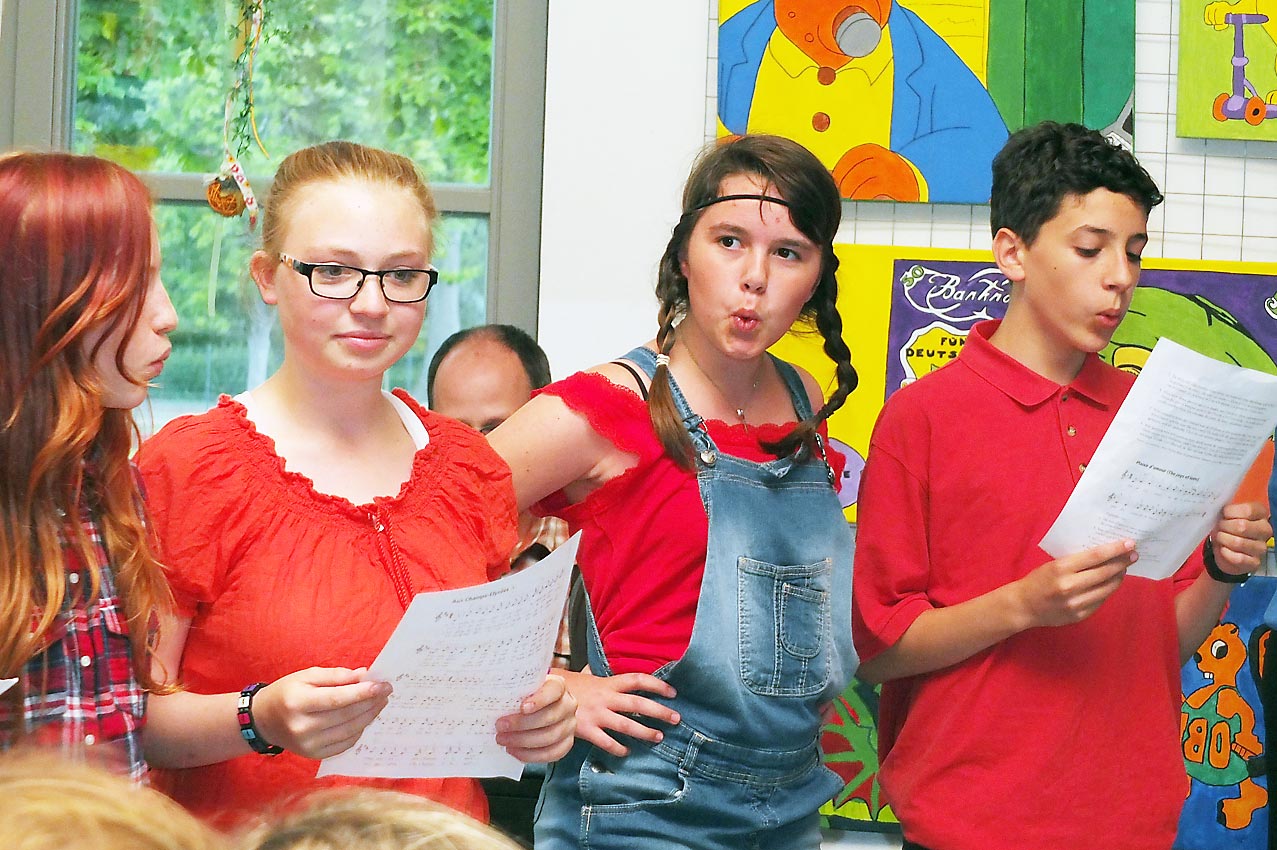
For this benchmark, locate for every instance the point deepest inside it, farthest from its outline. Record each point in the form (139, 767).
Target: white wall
(625, 115)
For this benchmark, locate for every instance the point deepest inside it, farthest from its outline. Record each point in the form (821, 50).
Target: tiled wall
(1221, 196)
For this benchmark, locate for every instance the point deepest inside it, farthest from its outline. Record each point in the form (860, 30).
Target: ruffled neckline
(736, 433)
(303, 484)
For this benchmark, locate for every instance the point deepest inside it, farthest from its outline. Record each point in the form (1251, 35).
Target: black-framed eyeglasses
(330, 280)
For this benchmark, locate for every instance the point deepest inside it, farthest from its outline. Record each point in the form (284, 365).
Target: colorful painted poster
(906, 312)
(850, 744)
(909, 100)
(935, 304)
(1222, 723)
(1227, 85)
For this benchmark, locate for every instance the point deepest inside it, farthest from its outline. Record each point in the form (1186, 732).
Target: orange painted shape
(1254, 486)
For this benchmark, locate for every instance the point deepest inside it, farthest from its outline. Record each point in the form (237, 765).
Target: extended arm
(549, 448)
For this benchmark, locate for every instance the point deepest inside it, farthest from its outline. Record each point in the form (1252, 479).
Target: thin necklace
(740, 411)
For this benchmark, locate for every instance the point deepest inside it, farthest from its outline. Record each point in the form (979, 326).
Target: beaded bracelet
(1213, 570)
(248, 729)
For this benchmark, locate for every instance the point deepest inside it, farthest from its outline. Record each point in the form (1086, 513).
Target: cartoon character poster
(1224, 315)
(1222, 729)
(1227, 85)
(909, 100)
(906, 312)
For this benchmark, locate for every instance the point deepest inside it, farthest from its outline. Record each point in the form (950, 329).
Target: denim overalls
(770, 645)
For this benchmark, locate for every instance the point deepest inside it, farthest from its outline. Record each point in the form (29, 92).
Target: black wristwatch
(1213, 570)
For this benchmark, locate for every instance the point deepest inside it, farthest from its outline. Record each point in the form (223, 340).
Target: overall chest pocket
(784, 622)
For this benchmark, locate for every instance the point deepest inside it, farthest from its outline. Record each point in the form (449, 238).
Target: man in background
(480, 376)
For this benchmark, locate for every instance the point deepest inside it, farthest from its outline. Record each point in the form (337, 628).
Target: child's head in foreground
(368, 819)
(50, 803)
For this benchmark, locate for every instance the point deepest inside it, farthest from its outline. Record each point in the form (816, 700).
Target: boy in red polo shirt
(1030, 702)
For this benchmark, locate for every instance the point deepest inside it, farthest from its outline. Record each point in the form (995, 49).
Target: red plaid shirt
(80, 693)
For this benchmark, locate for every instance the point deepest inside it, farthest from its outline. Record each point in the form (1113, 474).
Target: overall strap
(644, 358)
(802, 407)
(797, 391)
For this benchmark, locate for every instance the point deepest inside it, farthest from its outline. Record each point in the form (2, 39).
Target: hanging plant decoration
(228, 191)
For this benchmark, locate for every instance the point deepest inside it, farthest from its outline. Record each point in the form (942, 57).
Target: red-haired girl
(83, 330)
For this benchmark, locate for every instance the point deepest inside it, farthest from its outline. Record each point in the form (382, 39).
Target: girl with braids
(299, 519)
(84, 327)
(715, 556)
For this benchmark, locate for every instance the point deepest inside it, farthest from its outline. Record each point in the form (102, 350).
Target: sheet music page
(458, 660)
(1171, 460)
(5, 684)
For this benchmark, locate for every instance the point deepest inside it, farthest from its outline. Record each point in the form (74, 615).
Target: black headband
(720, 198)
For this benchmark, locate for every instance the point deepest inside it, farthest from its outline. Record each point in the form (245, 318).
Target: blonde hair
(372, 819)
(338, 160)
(48, 803)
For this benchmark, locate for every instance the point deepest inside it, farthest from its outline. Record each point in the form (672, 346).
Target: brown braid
(671, 292)
(660, 400)
(829, 322)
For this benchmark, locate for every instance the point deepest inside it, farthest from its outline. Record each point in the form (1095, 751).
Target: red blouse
(645, 532)
(278, 577)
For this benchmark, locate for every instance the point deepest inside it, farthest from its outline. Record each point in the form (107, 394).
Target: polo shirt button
(820, 122)
(74, 578)
(1064, 397)
(90, 740)
(1081, 467)
(826, 76)
(1072, 431)
(85, 660)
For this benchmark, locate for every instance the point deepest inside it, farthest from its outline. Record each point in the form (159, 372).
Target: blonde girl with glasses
(299, 519)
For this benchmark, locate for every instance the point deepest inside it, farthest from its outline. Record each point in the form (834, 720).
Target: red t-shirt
(278, 577)
(1056, 737)
(645, 532)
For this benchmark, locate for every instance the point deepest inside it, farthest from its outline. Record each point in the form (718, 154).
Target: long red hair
(76, 241)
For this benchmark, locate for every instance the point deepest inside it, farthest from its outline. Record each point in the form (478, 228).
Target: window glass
(415, 77)
(412, 76)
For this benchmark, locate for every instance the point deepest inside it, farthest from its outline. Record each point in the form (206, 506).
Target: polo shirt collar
(1028, 388)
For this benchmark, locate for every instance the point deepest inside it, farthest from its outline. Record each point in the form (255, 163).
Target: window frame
(37, 96)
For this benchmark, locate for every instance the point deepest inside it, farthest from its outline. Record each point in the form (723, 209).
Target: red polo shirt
(1056, 737)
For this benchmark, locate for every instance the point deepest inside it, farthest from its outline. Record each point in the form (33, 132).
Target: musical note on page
(1172, 458)
(459, 660)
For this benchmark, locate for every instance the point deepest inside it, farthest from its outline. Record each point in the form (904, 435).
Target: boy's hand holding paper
(1175, 454)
